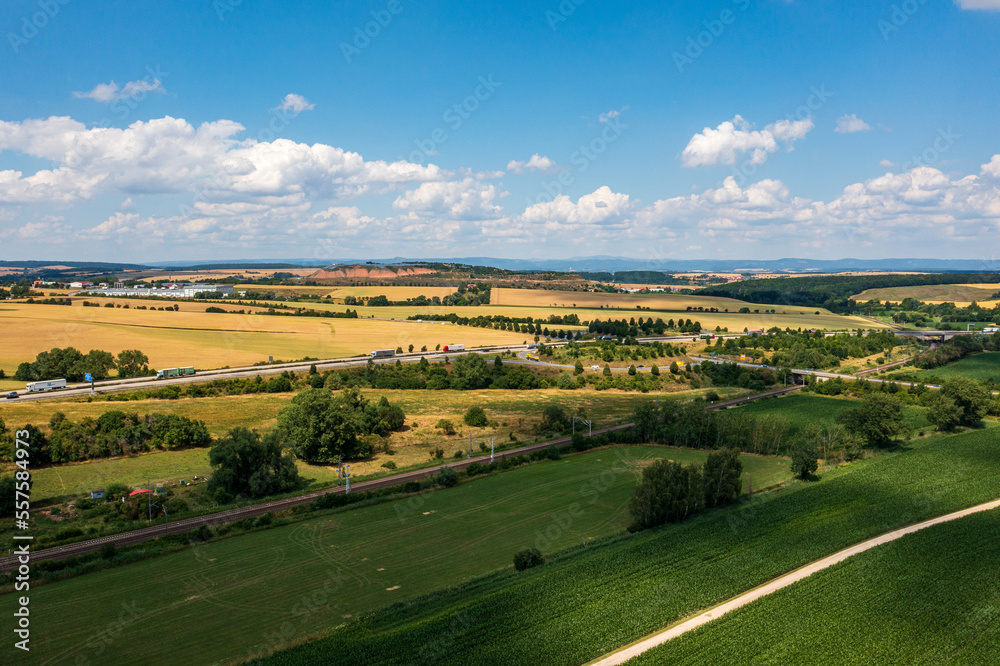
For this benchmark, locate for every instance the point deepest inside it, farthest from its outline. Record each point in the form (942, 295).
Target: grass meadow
(516, 412)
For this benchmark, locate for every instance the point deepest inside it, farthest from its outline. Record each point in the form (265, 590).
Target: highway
(232, 515)
(106, 386)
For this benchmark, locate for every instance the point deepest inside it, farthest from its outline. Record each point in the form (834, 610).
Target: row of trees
(71, 364)
(114, 433)
(957, 348)
(625, 328)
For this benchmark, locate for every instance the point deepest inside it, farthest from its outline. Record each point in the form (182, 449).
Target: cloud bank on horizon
(726, 174)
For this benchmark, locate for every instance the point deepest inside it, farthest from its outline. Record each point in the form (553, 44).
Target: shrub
(528, 558)
(446, 426)
(476, 417)
(108, 551)
(447, 477)
(389, 465)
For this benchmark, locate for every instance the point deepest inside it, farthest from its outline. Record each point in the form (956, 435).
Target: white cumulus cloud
(295, 103)
(535, 163)
(467, 199)
(601, 206)
(735, 137)
(849, 124)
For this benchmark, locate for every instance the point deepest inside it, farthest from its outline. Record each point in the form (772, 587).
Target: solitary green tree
(805, 460)
(943, 412)
(723, 477)
(971, 397)
(132, 363)
(877, 419)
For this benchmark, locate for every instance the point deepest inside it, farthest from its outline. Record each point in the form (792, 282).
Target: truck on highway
(383, 353)
(448, 348)
(174, 372)
(50, 385)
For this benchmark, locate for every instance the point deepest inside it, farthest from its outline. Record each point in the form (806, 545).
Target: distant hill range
(613, 264)
(598, 264)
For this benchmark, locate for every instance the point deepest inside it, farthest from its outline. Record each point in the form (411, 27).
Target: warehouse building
(187, 290)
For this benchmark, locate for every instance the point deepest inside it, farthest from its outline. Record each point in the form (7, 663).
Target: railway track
(232, 515)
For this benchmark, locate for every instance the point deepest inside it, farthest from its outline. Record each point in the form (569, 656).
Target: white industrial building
(188, 290)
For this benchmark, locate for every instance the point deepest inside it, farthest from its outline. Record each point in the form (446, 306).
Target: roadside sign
(87, 377)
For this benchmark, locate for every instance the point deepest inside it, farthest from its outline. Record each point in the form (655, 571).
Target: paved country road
(634, 650)
(232, 515)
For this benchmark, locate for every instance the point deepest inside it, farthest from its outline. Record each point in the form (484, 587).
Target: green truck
(174, 372)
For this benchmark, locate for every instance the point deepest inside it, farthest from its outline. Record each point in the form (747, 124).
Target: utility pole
(149, 501)
(493, 443)
(470, 444)
(340, 468)
(348, 490)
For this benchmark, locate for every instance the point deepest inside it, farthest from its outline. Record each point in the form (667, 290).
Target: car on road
(12, 395)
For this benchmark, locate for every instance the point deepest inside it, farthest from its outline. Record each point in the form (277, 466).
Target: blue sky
(734, 128)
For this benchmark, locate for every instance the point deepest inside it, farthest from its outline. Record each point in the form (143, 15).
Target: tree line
(114, 433)
(71, 364)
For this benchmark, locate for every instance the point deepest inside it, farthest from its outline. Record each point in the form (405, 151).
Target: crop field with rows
(928, 598)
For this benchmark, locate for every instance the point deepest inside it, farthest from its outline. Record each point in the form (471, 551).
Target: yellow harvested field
(207, 340)
(959, 294)
(392, 293)
(732, 320)
(660, 302)
(664, 287)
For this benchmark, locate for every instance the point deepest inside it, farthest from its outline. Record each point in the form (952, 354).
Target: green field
(592, 601)
(236, 597)
(984, 367)
(928, 598)
(802, 409)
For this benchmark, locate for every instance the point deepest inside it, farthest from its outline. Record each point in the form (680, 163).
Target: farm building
(188, 290)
